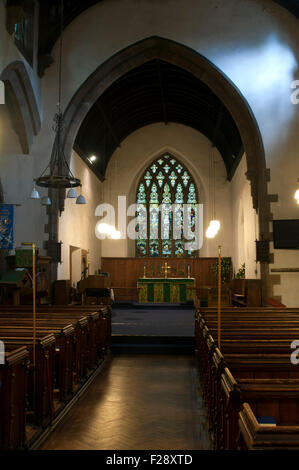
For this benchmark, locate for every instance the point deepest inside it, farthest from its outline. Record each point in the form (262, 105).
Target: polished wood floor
(137, 402)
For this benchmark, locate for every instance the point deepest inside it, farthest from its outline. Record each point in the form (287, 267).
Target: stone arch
(191, 61)
(21, 102)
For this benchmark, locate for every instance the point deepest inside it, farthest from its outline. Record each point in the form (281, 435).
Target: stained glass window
(160, 179)
(173, 177)
(148, 177)
(164, 188)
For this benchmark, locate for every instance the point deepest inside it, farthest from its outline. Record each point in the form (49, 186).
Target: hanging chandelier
(57, 174)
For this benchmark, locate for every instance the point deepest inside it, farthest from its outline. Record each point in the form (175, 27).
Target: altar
(159, 290)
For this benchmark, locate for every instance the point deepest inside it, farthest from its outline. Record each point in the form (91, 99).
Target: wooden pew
(64, 350)
(62, 342)
(13, 397)
(277, 398)
(254, 436)
(84, 348)
(260, 378)
(40, 394)
(70, 342)
(103, 326)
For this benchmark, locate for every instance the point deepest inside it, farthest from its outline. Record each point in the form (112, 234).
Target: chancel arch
(191, 62)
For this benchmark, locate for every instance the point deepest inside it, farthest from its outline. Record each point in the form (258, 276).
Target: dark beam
(218, 123)
(164, 110)
(108, 124)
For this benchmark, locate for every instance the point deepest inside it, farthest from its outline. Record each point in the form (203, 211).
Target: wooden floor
(137, 402)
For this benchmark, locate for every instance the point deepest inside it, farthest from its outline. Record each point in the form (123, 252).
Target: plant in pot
(240, 274)
(225, 270)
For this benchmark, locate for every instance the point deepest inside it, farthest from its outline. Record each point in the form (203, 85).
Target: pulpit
(161, 289)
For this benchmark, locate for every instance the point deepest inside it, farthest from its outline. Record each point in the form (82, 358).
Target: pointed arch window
(164, 188)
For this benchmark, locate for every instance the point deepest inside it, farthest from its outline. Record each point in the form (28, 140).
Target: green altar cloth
(158, 290)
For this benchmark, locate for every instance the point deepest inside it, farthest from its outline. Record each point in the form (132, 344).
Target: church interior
(149, 225)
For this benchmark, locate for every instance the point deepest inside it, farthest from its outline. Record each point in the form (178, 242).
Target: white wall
(139, 149)
(77, 223)
(76, 263)
(245, 224)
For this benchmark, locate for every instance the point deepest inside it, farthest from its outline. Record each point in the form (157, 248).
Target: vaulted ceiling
(156, 92)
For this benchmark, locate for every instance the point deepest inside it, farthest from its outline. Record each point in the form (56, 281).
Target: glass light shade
(116, 235)
(71, 194)
(34, 194)
(210, 233)
(215, 224)
(110, 230)
(296, 196)
(102, 228)
(80, 200)
(46, 201)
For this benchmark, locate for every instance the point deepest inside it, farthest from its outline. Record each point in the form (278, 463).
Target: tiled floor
(137, 402)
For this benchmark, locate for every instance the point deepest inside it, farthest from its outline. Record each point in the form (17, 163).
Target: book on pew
(266, 420)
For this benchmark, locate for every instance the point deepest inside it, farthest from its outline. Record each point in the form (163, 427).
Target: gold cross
(165, 269)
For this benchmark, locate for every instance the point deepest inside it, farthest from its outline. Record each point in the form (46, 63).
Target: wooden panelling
(124, 272)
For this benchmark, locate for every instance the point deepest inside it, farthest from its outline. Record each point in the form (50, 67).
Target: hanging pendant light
(80, 199)
(46, 201)
(72, 194)
(58, 173)
(210, 233)
(34, 193)
(215, 224)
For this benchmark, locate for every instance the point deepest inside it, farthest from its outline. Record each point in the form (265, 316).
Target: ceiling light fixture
(34, 193)
(92, 158)
(46, 201)
(80, 199)
(72, 194)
